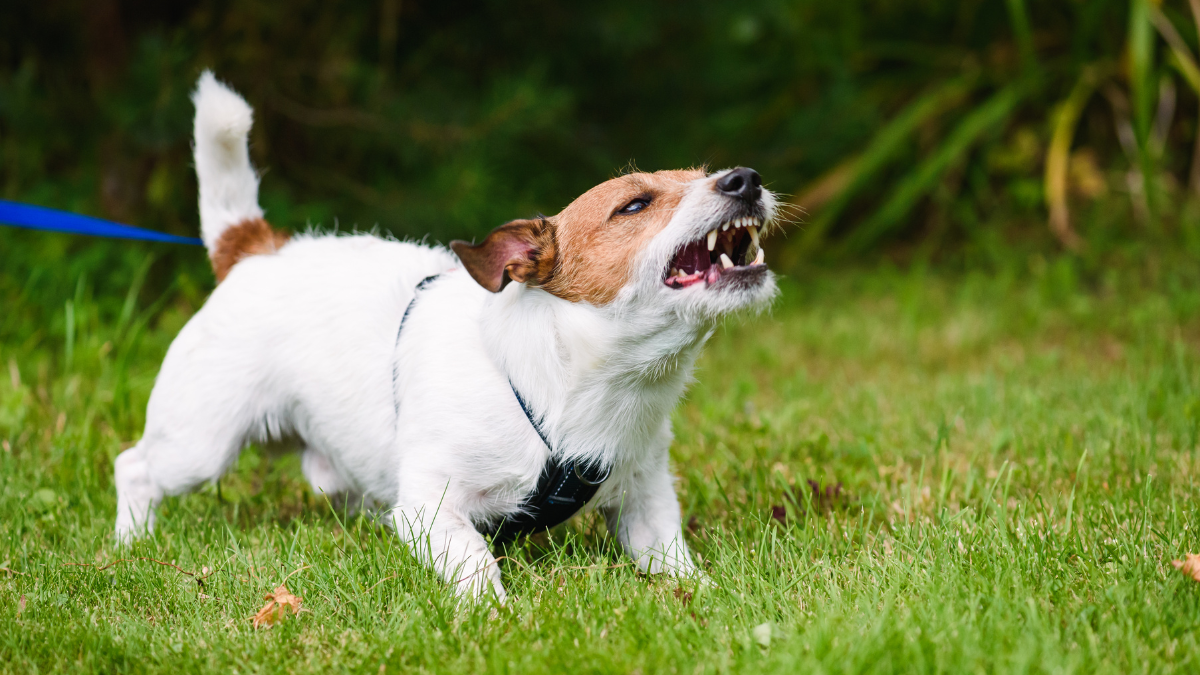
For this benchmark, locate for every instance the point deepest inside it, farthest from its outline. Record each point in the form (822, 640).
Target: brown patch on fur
(585, 253)
(249, 237)
(597, 246)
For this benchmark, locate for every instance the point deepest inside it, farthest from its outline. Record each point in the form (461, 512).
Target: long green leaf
(1194, 174)
(1182, 55)
(1141, 55)
(1142, 86)
(1019, 17)
(1065, 118)
(887, 144)
(910, 190)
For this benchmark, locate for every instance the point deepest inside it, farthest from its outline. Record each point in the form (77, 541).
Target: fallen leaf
(779, 513)
(1189, 567)
(20, 605)
(276, 607)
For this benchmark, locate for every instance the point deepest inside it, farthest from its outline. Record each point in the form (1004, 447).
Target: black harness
(563, 488)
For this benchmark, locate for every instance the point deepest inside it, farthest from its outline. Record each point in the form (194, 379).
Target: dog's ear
(520, 250)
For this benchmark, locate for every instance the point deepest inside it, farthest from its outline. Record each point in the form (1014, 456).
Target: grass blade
(135, 289)
(69, 348)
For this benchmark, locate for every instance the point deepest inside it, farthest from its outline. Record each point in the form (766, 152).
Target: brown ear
(521, 250)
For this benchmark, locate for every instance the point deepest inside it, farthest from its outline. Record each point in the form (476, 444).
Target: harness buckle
(588, 480)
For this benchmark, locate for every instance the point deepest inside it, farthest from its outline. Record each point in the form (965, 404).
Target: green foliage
(437, 119)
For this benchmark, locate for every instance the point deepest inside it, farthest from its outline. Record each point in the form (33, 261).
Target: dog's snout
(741, 183)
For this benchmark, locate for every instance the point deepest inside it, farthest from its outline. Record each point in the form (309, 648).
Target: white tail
(228, 184)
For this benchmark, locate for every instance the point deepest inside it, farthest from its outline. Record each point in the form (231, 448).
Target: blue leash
(53, 220)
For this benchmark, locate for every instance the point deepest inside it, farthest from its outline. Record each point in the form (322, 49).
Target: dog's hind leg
(137, 495)
(326, 481)
(199, 417)
(320, 473)
(166, 463)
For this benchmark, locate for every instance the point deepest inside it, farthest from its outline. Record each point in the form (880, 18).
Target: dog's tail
(231, 221)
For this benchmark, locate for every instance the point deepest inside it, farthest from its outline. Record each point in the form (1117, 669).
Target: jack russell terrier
(493, 388)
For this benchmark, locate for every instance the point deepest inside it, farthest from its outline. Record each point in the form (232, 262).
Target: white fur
(228, 184)
(304, 343)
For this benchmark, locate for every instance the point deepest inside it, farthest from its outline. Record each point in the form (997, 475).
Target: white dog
(498, 404)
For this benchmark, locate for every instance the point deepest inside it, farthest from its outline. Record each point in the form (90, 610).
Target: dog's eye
(634, 206)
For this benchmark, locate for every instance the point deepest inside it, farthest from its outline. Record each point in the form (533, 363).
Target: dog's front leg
(452, 546)
(643, 515)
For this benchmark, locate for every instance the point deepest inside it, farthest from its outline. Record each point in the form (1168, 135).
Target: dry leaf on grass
(1189, 567)
(778, 512)
(276, 607)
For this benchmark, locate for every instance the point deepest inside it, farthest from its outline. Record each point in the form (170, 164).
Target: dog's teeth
(712, 239)
(726, 263)
(758, 259)
(674, 272)
(753, 234)
(682, 274)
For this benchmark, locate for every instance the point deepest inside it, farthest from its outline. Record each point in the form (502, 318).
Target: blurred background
(970, 134)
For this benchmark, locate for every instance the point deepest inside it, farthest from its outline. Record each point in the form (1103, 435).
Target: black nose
(741, 183)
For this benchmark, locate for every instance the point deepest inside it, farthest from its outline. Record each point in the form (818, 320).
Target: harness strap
(404, 317)
(563, 488)
(420, 287)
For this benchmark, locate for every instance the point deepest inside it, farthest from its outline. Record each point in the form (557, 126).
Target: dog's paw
(481, 589)
(125, 533)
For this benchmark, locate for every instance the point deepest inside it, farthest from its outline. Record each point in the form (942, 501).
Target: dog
(447, 385)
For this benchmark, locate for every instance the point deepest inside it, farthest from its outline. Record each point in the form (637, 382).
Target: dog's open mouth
(730, 250)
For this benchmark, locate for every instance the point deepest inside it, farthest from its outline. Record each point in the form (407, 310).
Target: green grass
(1017, 456)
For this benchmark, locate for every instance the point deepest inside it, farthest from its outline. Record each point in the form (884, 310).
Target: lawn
(895, 470)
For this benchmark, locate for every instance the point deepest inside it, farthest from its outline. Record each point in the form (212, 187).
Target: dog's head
(683, 240)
